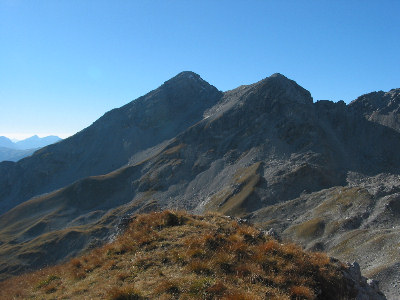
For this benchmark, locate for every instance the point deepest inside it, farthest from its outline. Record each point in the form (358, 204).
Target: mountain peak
(187, 77)
(188, 85)
(278, 75)
(279, 85)
(278, 78)
(188, 74)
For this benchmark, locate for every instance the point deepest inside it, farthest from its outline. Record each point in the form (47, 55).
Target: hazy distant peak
(37, 142)
(32, 138)
(6, 142)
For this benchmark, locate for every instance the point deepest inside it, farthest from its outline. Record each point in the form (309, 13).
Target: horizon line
(22, 136)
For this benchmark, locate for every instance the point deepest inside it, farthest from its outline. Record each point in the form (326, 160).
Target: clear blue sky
(64, 63)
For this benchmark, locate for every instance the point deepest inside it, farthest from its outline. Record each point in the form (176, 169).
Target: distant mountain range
(324, 174)
(6, 143)
(14, 151)
(29, 143)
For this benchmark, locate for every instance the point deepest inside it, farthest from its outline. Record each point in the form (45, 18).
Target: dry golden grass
(174, 255)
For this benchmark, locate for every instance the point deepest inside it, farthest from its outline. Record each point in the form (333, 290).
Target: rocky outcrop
(360, 287)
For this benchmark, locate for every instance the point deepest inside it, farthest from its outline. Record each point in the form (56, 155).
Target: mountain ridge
(36, 142)
(134, 121)
(6, 142)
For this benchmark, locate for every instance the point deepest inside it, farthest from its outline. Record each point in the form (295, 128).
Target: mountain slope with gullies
(263, 151)
(110, 141)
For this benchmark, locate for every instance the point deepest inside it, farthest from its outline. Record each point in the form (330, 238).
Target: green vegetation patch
(47, 281)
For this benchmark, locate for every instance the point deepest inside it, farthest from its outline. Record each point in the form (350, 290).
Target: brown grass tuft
(126, 293)
(302, 292)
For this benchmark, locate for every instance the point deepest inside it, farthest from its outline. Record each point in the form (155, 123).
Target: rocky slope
(263, 151)
(358, 221)
(172, 255)
(380, 107)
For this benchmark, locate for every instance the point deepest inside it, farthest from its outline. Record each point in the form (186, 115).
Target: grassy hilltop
(174, 255)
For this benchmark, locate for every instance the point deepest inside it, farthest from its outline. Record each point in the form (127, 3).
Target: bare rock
(361, 287)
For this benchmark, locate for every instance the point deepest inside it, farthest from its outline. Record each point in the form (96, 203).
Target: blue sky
(63, 64)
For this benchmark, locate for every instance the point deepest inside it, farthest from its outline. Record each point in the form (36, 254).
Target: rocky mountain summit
(323, 174)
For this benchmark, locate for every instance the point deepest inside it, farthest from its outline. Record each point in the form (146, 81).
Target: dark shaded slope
(359, 145)
(110, 141)
(9, 154)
